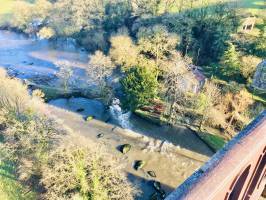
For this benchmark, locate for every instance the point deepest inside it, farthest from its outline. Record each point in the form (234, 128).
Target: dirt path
(172, 165)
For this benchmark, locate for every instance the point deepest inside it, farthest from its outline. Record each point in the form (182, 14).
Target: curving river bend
(173, 153)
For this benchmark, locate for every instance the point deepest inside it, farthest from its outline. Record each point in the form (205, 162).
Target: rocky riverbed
(159, 153)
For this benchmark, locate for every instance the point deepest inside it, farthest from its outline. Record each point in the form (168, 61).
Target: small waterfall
(118, 116)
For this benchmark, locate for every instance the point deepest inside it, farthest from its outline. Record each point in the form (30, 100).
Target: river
(173, 153)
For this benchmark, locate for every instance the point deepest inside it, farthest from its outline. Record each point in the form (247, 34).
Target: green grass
(10, 188)
(256, 7)
(153, 118)
(258, 95)
(215, 142)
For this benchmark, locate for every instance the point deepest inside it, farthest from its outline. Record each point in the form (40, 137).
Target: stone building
(259, 80)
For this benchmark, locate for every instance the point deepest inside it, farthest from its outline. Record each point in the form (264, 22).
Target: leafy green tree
(116, 14)
(230, 62)
(46, 33)
(146, 7)
(249, 64)
(140, 86)
(74, 16)
(26, 15)
(156, 41)
(260, 47)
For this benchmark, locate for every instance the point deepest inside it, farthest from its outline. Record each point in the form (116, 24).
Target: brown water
(173, 153)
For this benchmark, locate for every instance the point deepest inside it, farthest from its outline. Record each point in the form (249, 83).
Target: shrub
(30, 142)
(83, 174)
(46, 33)
(14, 96)
(248, 65)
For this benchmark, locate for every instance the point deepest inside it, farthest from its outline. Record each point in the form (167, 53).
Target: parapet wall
(238, 171)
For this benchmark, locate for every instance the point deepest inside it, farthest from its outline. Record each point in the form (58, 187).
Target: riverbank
(159, 147)
(171, 163)
(213, 141)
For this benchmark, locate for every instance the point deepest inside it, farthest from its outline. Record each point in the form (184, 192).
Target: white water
(117, 114)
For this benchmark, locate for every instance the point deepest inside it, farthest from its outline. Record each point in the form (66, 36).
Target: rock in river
(157, 185)
(100, 135)
(155, 196)
(80, 109)
(139, 164)
(89, 118)
(151, 174)
(125, 148)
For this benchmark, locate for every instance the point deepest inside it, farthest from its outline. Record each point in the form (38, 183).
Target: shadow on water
(179, 136)
(145, 186)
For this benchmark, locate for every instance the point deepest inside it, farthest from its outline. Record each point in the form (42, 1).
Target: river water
(28, 58)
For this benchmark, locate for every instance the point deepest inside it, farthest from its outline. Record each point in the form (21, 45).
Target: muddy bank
(171, 164)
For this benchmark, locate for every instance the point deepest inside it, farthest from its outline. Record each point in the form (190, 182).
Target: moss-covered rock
(125, 148)
(259, 80)
(89, 118)
(139, 164)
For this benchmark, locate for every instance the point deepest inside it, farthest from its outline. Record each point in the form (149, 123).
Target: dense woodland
(154, 45)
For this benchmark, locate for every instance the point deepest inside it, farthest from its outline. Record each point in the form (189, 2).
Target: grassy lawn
(215, 142)
(256, 7)
(10, 188)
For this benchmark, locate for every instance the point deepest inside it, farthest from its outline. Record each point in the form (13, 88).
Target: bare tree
(99, 68)
(175, 84)
(238, 103)
(65, 72)
(206, 100)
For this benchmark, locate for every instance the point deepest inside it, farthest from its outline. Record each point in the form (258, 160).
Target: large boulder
(259, 80)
